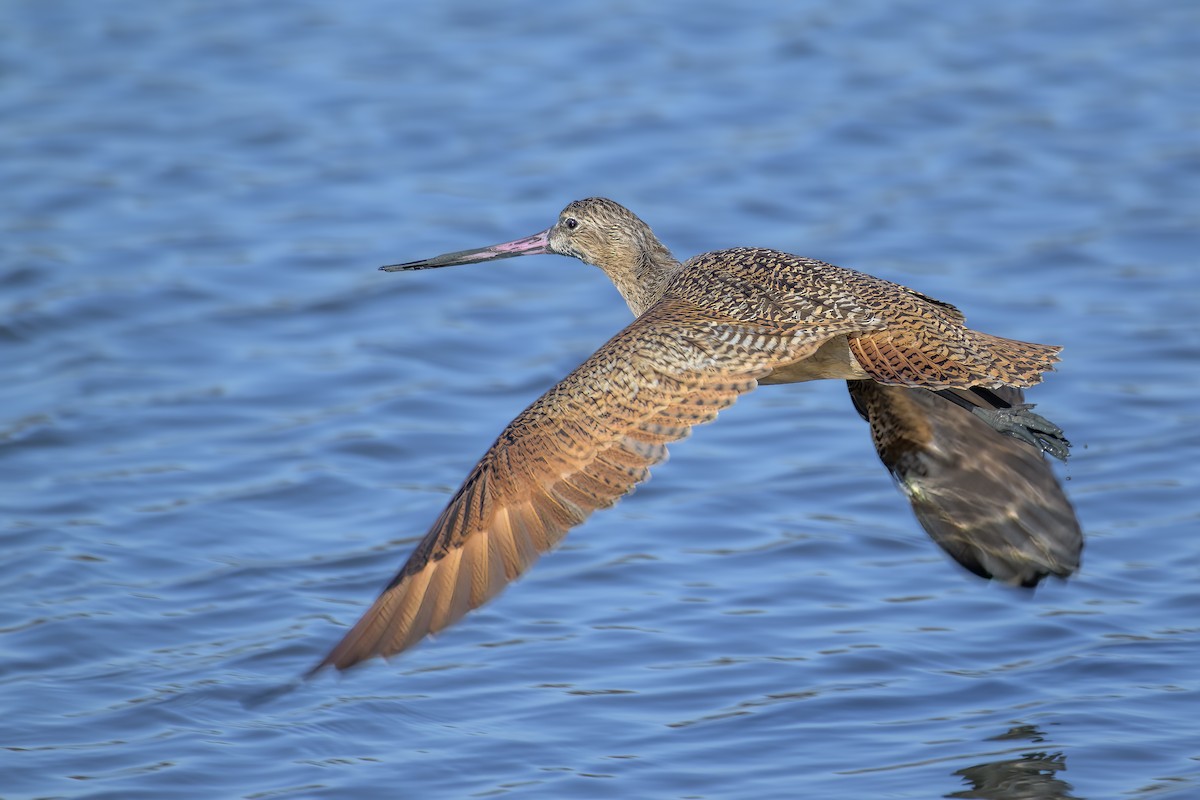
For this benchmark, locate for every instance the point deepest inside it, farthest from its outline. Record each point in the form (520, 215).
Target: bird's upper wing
(990, 501)
(578, 448)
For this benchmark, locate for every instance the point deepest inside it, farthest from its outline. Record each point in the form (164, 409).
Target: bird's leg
(1014, 420)
(1020, 421)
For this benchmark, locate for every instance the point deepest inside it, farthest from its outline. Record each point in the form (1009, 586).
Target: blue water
(221, 429)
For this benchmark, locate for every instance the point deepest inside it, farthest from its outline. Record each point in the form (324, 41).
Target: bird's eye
(571, 223)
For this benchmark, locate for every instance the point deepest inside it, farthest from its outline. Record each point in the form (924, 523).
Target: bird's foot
(1021, 422)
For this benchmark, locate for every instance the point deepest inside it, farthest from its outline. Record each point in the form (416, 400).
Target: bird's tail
(1013, 362)
(952, 359)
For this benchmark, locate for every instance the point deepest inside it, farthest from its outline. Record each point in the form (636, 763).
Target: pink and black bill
(537, 244)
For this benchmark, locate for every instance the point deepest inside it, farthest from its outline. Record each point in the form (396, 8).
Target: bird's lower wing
(990, 501)
(578, 448)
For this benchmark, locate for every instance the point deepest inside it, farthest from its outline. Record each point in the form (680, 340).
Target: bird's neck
(641, 274)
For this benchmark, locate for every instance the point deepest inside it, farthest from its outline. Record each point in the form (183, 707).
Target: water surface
(221, 429)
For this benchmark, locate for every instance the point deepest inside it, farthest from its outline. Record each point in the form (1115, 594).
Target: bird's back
(902, 337)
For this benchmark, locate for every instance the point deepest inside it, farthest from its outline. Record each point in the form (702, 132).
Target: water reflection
(1032, 776)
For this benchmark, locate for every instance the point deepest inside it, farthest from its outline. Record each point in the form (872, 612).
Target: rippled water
(221, 429)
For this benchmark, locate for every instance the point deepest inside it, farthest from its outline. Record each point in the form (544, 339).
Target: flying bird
(944, 404)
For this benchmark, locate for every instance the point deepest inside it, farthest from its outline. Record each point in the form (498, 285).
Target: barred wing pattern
(578, 448)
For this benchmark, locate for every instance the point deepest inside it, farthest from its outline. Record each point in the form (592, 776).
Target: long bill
(537, 244)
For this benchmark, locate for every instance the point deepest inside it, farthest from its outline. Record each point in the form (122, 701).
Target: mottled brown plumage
(706, 331)
(991, 502)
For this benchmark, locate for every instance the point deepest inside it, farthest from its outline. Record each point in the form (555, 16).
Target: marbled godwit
(707, 331)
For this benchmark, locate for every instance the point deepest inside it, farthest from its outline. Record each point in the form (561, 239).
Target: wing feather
(580, 447)
(992, 502)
